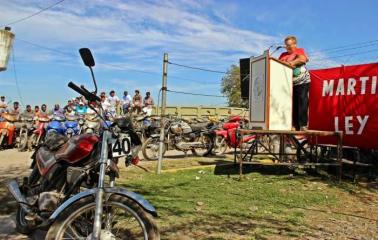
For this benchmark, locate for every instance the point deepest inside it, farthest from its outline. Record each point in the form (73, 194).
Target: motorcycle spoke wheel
(120, 220)
(220, 146)
(150, 149)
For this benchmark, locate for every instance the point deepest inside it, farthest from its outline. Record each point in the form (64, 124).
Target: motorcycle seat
(199, 126)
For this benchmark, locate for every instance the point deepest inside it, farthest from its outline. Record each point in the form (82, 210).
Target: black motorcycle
(183, 136)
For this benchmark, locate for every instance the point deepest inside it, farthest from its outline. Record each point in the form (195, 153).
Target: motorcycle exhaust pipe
(14, 189)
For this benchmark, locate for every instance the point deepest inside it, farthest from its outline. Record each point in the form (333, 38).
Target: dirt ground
(355, 218)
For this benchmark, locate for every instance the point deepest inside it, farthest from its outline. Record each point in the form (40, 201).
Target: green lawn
(202, 204)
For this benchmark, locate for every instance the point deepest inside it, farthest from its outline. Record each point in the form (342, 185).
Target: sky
(128, 40)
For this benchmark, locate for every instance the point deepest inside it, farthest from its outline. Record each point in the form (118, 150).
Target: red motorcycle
(226, 136)
(39, 133)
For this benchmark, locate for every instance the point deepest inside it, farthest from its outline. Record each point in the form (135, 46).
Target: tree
(231, 87)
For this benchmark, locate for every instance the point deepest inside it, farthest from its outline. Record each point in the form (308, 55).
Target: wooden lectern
(271, 93)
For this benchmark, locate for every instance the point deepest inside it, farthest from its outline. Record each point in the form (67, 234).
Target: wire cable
(196, 94)
(196, 68)
(34, 14)
(16, 78)
(343, 46)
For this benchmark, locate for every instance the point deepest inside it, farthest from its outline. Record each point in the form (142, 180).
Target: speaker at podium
(270, 93)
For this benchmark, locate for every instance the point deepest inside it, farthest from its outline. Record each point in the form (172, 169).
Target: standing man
(137, 102)
(297, 58)
(148, 103)
(28, 112)
(113, 100)
(3, 104)
(126, 102)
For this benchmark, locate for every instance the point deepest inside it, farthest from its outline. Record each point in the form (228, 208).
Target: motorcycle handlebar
(81, 90)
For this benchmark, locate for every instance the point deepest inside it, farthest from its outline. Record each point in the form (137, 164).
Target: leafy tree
(231, 87)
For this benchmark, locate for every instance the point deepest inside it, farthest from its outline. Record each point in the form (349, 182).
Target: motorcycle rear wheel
(76, 222)
(205, 150)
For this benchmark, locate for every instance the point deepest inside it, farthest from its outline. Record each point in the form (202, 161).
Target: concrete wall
(202, 111)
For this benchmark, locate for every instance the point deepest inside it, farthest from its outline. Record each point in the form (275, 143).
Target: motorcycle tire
(146, 149)
(23, 141)
(220, 146)
(2, 137)
(203, 151)
(56, 230)
(21, 225)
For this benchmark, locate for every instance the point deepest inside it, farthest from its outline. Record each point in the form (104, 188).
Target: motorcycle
(66, 193)
(26, 131)
(226, 136)
(147, 126)
(72, 125)
(8, 130)
(56, 125)
(39, 133)
(181, 136)
(91, 124)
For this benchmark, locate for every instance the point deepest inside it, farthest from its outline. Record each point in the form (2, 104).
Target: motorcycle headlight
(69, 131)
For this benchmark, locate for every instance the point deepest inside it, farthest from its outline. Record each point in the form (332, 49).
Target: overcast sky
(128, 39)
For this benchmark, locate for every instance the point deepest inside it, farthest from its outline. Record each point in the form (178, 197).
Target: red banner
(346, 99)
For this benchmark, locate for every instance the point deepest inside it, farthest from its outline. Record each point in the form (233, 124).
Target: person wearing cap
(137, 102)
(3, 104)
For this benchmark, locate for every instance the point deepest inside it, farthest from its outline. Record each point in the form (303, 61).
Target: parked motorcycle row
(70, 192)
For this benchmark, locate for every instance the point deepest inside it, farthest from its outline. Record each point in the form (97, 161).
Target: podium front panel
(258, 93)
(280, 96)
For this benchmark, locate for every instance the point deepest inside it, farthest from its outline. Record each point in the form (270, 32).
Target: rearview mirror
(87, 57)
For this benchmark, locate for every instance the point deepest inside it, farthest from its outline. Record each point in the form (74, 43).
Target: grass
(211, 204)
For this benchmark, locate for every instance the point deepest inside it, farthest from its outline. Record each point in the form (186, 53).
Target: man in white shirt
(3, 104)
(113, 101)
(126, 102)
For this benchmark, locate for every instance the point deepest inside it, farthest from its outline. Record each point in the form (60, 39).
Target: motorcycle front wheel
(122, 219)
(220, 146)
(23, 140)
(150, 149)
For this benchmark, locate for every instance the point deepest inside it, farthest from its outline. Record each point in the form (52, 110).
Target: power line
(105, 64)
(347, 49)
(343, 46)
(196, 94)
(16, 78)
(349, 54)
(34, 14)
(197, 68)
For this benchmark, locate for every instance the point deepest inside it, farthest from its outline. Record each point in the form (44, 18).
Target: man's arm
(298, 61)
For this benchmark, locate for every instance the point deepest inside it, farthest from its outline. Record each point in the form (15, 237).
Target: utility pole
(162, 112)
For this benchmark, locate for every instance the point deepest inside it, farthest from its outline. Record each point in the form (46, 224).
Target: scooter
(39, 133)
(226, 136)
(72, 126)
(56, 125)
(8, 130)
(27, 128)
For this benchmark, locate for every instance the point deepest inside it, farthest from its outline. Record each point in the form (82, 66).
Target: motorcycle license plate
(121, 146)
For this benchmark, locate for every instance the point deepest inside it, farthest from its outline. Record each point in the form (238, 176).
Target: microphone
(279, 47)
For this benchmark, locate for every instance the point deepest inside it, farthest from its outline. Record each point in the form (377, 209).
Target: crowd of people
(111, 104)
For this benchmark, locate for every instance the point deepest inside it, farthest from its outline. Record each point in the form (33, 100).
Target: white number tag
(121, 146)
